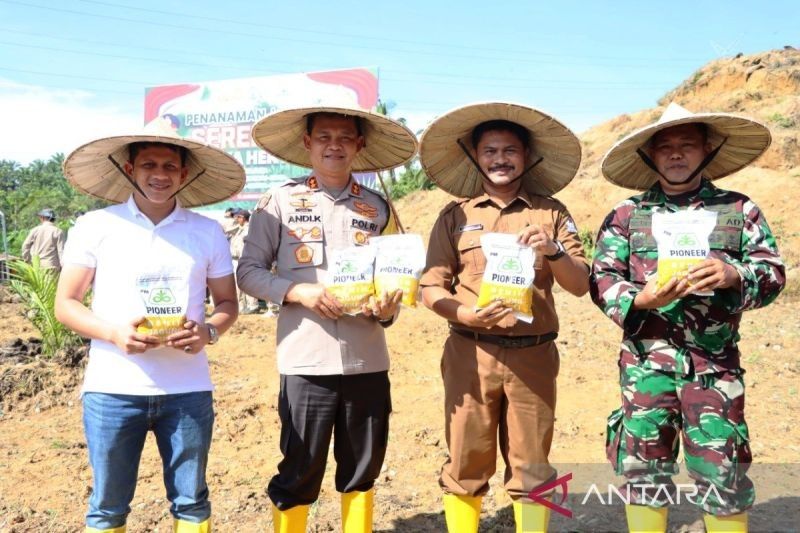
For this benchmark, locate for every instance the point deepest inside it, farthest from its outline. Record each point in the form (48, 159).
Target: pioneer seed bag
(682, 239)
(399, 261)
(509, 274)
(165, 296)
(349, 277)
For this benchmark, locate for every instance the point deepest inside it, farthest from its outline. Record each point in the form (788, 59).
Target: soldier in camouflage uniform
(680, 370)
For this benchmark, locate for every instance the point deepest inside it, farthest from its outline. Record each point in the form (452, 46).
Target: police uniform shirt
(297, 227)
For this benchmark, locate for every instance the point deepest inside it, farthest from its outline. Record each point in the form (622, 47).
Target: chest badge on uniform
(303, 254)
(359, 237)
(298, 233)
(365, 210)
(302, 204)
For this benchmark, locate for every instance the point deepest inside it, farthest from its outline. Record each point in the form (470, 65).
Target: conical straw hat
(216, 175)
(449, 167)
(745, 140)
(388, 144)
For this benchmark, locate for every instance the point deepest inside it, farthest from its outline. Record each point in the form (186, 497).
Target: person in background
(45, 241)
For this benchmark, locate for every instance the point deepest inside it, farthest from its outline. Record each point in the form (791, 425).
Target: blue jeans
(116, 426)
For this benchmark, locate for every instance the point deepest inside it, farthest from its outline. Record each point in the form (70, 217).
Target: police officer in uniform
(333, 367)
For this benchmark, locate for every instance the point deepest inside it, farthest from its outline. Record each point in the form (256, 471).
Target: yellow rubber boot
(531, 517)
(357, 511)
(184, 526)
(645, 519)
(120, 529)
(291, 520)
(462, 513)
(735, 523)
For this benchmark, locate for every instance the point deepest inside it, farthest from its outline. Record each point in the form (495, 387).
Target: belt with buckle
(507, 341)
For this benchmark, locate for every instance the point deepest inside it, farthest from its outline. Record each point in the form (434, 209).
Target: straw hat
(215, 175)
(745, 140)
(388, 143)
(446, 163)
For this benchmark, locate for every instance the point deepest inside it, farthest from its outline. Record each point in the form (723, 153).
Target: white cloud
(39, 121)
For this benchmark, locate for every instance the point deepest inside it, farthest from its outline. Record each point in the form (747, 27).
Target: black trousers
(354, 409)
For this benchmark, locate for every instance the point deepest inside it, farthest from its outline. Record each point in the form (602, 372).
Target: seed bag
(349, 276)
(509, 274)
(682, 239)
(165, 297)
(399, 261)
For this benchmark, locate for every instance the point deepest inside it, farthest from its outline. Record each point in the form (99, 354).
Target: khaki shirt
(237, 240)
(297, 227)
(456, 261)
(47, 242)
(229, 227)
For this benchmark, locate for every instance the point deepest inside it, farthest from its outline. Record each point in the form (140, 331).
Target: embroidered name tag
(470, 227)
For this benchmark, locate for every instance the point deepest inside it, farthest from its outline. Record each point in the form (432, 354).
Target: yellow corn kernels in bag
(509, 274)
(349, 277)
(682, 239)
(165, 296)
(399, 261)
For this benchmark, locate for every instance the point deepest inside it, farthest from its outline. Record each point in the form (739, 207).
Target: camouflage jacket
(697, 333)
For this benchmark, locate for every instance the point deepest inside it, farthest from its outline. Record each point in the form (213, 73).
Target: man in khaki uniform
(45, 241)
(247, 304)
(229, 225)
(333, 366)
(499, 373)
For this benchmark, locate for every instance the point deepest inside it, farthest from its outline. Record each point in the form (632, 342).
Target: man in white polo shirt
(148, 261)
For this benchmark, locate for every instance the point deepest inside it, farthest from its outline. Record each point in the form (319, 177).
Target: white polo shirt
(123, 245)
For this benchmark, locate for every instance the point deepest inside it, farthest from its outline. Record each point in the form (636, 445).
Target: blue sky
(75, 70)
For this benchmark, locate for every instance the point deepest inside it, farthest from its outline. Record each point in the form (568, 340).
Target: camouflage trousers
(706, 412)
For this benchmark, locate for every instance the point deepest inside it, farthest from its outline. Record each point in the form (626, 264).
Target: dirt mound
(763, 86)
(31, 381)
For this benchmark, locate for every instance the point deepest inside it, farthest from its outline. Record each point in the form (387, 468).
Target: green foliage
(412, 178)
(587, 238)
(24, 190)
(782, 121)
(36, 286)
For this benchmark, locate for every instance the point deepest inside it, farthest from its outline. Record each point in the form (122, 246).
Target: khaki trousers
(495, 394)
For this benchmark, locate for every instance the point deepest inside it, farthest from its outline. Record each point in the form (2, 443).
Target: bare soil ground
(45, 479)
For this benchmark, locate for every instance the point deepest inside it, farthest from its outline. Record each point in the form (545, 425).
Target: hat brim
(445, 162)
(388, 144)
(745, 141)
(216, 175)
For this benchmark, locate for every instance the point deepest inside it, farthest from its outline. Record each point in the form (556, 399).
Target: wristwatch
(213, 334)
(559, 254)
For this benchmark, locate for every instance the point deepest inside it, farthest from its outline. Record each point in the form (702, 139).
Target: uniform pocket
(741, 455)
(470, 252)
(613, 435)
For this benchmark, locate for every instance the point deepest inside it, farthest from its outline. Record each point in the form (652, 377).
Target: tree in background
(24, 190)
(412, 177)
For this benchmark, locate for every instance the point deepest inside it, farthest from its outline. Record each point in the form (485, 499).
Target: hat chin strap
(703, 164)
(139, 189)
(483, 174)
(127, 177)
(189, 182)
